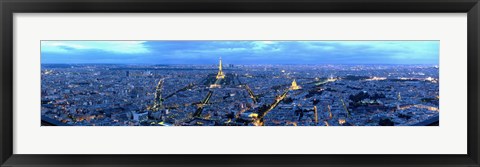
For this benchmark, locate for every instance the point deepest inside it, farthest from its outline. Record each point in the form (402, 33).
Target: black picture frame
(9, 7)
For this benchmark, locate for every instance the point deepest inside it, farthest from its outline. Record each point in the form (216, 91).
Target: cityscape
(237, 92)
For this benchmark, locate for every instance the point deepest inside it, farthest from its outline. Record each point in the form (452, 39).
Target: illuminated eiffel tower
(220, 74)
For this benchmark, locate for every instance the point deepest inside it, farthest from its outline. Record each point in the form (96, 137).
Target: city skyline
(240, 52)
(112, 95)
(205, 83)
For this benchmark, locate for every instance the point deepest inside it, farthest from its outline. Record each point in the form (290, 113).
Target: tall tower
(220, 74)
(158, 103)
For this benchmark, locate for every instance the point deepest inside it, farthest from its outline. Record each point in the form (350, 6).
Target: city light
(223, 93)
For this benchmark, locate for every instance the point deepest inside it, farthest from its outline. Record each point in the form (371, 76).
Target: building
(294, 85)
(220, 74)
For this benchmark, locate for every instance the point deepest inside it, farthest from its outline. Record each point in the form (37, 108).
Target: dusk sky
(240, 52)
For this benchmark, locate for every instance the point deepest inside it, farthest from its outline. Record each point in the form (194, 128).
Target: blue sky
(240, 52)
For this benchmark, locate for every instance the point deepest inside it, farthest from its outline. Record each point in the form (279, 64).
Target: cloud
(262, 45)
(119, 47)
(246, 52)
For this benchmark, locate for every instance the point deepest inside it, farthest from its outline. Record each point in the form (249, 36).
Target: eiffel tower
(220, 74)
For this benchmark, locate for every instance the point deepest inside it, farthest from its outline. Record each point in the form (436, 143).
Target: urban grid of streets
(240, 95)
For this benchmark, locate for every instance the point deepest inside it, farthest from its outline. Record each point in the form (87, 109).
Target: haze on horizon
(240, 52)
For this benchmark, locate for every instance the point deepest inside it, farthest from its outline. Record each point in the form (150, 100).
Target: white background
(448, 138)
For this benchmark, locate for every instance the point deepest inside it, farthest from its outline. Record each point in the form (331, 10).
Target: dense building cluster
(240, 95)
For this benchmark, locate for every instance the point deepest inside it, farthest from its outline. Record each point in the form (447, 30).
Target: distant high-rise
(158, 103)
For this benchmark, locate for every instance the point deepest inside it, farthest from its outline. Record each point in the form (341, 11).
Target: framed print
(239, 83)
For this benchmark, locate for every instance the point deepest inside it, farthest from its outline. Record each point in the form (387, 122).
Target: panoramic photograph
(240, 83)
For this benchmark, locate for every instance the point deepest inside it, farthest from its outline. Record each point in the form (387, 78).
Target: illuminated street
(240, 83)
(240, 95)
